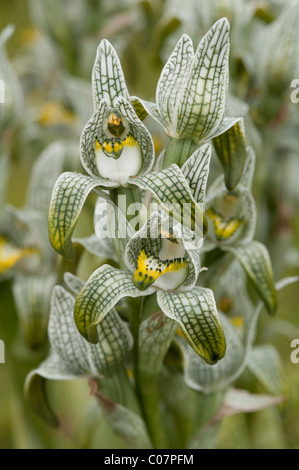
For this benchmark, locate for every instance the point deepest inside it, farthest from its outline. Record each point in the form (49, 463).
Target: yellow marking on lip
(224, 229)
(10, 255)
(114, 147)
(150, 267)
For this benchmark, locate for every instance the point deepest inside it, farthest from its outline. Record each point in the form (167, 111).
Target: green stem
(147, 383)
(178, 151)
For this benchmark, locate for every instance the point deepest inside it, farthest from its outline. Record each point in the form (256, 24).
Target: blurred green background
(143, 40)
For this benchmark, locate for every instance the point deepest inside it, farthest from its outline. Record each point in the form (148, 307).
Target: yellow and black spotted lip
(114, 147)
(149, 267)
(223, 228)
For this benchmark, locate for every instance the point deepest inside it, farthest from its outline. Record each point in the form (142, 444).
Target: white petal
(120, 170)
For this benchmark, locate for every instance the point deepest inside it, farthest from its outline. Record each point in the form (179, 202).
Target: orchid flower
(191, 92)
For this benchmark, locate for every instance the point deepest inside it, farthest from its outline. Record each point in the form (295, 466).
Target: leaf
(171, 189)
(173, 79)
(102, 248)
(70, 355)
(105, 287)
(73, 283)
(124, 422)
(155, 336)
(254, 258)
(108, 81)
(201, 106)
(77, 353)
(265, 364)
(231, 150)
(195, 312)
(36, 397)
(32, 298)
(69, 195)
(196, 172)
(242, 401)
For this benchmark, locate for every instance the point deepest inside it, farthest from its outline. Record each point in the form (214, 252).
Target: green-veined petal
(68, 198)
(196, 172)
(108, 81)
(254, 258)
(201, 106)
(105, 287)
(231, 150)
(196, 313)
(171, 189)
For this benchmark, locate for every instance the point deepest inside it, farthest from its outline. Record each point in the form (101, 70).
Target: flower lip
(150, 267)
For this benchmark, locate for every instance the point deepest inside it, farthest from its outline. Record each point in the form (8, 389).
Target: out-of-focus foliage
(48, 101)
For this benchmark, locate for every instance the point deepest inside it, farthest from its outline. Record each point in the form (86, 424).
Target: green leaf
(254, 258)
(201, 106)
(196, 172)
(32, 298)
(171, 189)
(108, 81)
(265, 364)
(36, 397)
(124, 422)
(68, 198)
(105, 287)
(196, 313)
(155, 336)
(231, 150)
